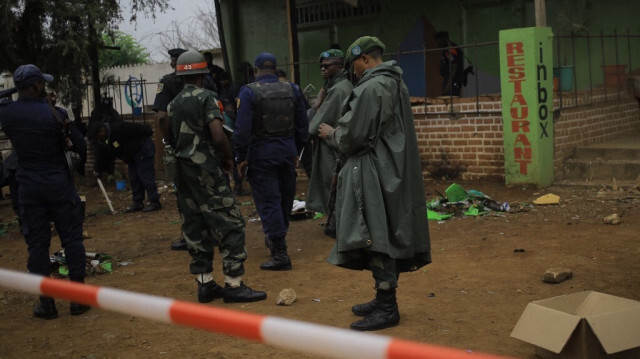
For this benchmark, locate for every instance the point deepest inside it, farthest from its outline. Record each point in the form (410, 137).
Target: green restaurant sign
(526, 73)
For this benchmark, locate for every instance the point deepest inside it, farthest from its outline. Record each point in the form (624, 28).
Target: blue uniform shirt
(247, 147)
(37, 139)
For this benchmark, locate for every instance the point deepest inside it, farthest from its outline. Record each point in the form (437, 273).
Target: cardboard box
(583, 325)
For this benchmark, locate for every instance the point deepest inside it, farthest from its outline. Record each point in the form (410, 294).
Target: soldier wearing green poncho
(337, 87)
(380, 207)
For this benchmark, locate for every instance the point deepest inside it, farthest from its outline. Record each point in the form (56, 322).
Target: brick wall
(583, 123)
(469, 143)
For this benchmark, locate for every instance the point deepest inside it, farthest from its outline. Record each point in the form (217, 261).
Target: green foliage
(61, 36)
(130, 53)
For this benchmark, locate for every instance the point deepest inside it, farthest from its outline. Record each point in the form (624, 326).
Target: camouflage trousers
(210, 218)
(383, 269)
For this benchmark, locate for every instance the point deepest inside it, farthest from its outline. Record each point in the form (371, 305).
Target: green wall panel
(262, 26)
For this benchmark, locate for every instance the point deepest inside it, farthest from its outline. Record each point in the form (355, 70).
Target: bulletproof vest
(273, 109)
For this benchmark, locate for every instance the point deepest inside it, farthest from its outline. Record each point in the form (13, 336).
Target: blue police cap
(265, 60)
(27, 75)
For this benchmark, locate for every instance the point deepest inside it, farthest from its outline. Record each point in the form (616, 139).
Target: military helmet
(191, 63)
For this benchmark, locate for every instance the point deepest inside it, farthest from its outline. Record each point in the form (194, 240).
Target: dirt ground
(469, 298)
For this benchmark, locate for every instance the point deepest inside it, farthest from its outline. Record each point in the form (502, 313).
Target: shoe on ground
(78, 309)
(135, 207)
(362, 310)
(152, 206)
(208, 291)
(46, 309)
(377, 320)
(277, 263)
(180, 245)
(279, 260)
(241, 294)
(385, 315)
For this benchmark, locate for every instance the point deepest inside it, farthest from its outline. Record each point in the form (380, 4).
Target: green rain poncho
(380, 204)
(324, 156)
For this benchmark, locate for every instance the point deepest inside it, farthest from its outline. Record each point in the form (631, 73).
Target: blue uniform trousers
(142, 173)
(273, 186)
(61, 204)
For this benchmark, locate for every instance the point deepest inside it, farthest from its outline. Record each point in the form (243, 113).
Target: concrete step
(624, 185)
(594, 153)
(601, 169)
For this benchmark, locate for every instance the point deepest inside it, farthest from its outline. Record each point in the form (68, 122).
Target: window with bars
(334, 10)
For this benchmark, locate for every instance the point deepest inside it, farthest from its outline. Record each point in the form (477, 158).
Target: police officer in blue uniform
(270, 131)
(46, 190)
(131, 142)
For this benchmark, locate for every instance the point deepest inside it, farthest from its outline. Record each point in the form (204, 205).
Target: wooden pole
(541, 13)
(106, 196)
(223, 42)
(292, 27)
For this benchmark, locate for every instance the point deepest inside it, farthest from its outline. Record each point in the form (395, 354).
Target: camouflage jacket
(190, 113)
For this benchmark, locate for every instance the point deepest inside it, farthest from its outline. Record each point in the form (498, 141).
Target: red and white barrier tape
(290, 334)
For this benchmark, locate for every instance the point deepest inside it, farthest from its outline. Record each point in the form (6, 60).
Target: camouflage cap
(363, 45)
(331, 54)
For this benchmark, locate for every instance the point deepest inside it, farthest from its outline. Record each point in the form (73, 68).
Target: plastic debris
(298, 206)
(437, 216)
(459, 202)
(549, 198)
(96, 263)
(456, 193)
(475, 211)
(299, 210)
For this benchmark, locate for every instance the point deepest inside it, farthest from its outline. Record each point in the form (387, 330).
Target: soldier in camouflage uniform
(210, 215)
(168, 88)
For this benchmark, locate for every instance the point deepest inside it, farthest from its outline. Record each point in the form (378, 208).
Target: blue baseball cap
(27, 75)
(265, 60)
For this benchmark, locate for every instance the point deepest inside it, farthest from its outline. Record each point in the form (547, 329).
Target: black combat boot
(77, 308)
(330, 226)
(135, 207)
(241, 294)
(386, 314)
(152, 206)
(208, 291)
(364, 309)
(46, 309)
(279, 259)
